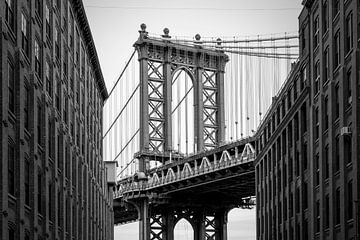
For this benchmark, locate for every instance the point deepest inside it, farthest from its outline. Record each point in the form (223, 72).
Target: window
(326, 65)
(11, 233)
(337, 206)
(59, 152)
(348, 149)
(317, 78)
(26, 108)
(295, 89)
(24, 34)
(350, 212)
(326, 159)
(304, 117)
(297, 200)
(38, 7)
(316, 32)
(39, 122)
(50, 136)
(336, 7)
(337, 101)
(327, 212)
(65, 59)
(39, 200)
(297, 163)
(37, 58)
(296, 126)
(305, 195)
(317, 168)
(65, 115)
(337, 49)
(349, 33)
(47, 23)
(50, 202)
(57, 42)
(11, 86)
(58, 96)
(317, 211)
(325, 15)
(59, 207)
(291, 205)
(48, 79)
(303, 40)
(305, 158)
(348, 86)
(303, 78)
(27, 181)
(9, 14)
(326, 111)
(11, 168)
(337, 154)
(317, 124)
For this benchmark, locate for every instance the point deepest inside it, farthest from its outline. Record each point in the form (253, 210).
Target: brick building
(53, 179)
(307, 168)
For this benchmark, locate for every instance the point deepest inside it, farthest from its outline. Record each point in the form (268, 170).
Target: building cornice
(308, 3)
(90, 46)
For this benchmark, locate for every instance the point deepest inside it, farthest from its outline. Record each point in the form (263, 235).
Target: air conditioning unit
(345, 131)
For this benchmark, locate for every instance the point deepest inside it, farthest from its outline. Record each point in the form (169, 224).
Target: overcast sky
(115, 24)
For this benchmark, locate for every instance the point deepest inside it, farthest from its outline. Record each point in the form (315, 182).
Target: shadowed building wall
(53, 179)
(307, 168)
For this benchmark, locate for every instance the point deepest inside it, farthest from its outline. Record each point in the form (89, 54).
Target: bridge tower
(160, 59)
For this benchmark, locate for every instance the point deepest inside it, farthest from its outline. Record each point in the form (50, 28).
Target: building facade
(53, 179)
(307, 168)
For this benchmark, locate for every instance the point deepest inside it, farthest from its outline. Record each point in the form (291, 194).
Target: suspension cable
(177, 106)
(122, 73)
(122, 110)
(127, 144)
(242, 40)
(252, 47)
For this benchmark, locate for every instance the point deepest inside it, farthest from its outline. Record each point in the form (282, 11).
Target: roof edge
(90, 46)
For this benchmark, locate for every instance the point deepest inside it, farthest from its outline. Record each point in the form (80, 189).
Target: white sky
(115, 24)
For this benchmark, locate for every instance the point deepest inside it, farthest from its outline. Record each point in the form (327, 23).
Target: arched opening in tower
(183, 230)
(182, 113)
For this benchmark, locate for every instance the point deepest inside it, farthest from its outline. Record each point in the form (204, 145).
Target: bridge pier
(160, 225)
(144, 220)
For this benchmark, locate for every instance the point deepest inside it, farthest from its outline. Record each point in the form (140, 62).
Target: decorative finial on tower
(197, 37)
(166, 33)
(143, 32)
(218, 43)
(143, 27)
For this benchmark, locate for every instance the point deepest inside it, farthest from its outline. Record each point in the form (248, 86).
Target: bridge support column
(221, 225)
(199, 226)
(144, 223)
(169, 226)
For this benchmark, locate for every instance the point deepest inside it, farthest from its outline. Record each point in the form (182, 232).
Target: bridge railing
(193, 168)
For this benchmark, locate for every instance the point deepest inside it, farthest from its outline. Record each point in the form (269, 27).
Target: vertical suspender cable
(236, 97)
(179, 115)
(186, 116)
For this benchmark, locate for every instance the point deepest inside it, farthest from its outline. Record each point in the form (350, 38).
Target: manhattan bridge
(180, 123)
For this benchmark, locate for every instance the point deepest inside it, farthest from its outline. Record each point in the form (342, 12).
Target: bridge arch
(183, 229)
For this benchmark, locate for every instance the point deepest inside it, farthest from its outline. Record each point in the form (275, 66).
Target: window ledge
(12, 198)
(348, 54)
(10, 33)
(11, 117)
